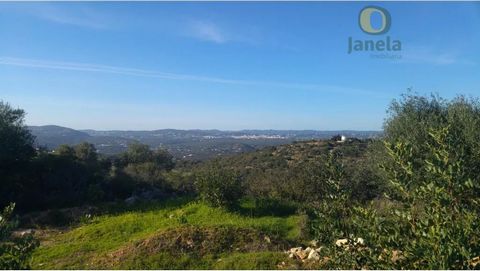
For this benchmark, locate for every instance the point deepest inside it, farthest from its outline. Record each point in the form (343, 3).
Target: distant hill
(283, 157)
(184, 144)
(52, 136)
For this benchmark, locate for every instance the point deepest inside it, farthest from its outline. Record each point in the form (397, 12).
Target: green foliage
(441, 210)
(297, 172)
(219, 187)
(16, 140)
(413, 118)
(140, 153)
(15, 252)
(86, 152)
(119, 184)
(16, 150)
(435, 223)
(180, 181)
(65, 150)
(333, 212)
(57, 181)
(71, 175)
(147, 173)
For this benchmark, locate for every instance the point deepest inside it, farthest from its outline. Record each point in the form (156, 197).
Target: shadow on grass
(265, 207)
(118, 208)
(74, 216)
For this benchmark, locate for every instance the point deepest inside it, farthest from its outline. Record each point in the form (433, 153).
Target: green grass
(77, 248)
(256, 260)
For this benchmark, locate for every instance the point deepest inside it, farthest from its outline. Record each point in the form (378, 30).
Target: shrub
(65, 150)
(15, 252)
(140, 153)
(435, 223)
(219, 187)
(147, 174)
(119, 184)
(86, 152)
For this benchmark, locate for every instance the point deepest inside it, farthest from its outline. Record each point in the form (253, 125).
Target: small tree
(86, 152)
(219, 187)
(332, 213)
(16, 141)
(65, 150)
(138, 153)
(16, 151)
(15, 252)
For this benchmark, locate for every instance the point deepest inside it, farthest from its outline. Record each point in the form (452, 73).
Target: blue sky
(230, 65)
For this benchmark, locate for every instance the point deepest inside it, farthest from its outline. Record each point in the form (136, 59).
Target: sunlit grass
(79, 246)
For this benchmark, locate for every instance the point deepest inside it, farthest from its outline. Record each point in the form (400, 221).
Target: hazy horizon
(201, 129)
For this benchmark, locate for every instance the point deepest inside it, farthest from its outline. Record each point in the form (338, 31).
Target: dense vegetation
(409, 200)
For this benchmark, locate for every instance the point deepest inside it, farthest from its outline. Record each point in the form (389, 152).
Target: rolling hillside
(183, 144)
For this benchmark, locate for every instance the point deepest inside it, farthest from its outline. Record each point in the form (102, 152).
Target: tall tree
(16, 149)
(16, 141)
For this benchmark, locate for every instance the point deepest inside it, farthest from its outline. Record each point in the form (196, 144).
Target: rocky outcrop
(345, 242)
(307, 254)
(312, 253)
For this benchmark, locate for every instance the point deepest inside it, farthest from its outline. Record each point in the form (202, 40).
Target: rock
(22, 233)
(313, 255)
(397, 255)
(131, 200)
(319, 249)
(26, 232)
(341, 242)
(308, 249)
(295, 249)
(474, 261)
(302, 254)
(359, 241)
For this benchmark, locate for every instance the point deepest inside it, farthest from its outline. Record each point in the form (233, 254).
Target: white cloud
(90, 67)
(207, 31)
(223, 33)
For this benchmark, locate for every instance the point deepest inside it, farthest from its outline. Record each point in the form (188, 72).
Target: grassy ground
(142, 238)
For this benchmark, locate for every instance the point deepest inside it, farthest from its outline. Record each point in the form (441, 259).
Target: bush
(119, 184)
(181, 182)
(140, 153)
(15, 252)
(435, 223)
(147, 175)
(86, 152)
(219, 187)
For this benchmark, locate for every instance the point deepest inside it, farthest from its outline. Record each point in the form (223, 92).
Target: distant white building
(340, 138)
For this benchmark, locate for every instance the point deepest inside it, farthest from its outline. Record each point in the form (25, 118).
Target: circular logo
(365, 20)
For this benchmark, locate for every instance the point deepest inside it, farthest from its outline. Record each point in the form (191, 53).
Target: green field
(174, 234)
